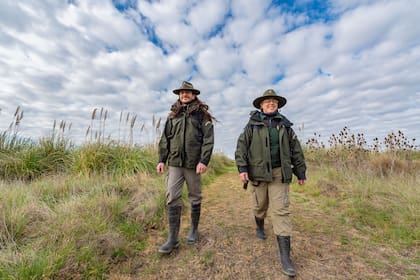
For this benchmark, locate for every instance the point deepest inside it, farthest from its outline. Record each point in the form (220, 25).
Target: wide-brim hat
(186, 86)
(269, 94)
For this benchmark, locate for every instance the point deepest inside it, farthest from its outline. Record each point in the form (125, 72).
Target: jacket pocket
(256, 172)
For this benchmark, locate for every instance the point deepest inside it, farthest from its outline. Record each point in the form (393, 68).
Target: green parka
(253, 154)
(187, 139)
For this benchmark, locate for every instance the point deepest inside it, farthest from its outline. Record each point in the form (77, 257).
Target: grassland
(91, 211)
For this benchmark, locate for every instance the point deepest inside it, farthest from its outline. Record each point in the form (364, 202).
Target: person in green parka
(186, 146)
(268, 153)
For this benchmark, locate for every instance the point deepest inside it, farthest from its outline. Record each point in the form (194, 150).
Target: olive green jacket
(252, 153)
(187, 139)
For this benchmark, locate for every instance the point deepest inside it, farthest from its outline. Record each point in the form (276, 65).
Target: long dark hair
(195, 105)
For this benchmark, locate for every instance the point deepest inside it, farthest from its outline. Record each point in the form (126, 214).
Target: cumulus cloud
(342, 63)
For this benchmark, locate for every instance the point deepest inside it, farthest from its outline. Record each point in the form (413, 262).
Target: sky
(339, 63)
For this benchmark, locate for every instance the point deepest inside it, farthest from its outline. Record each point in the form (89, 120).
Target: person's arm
(241, 153)
(208, 142)
(297, 158)
(163, 148)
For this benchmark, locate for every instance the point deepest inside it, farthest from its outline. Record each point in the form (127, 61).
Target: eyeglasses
(275, 101)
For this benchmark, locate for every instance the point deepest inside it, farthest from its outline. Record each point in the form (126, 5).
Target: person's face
(186, 96)
(269, 105)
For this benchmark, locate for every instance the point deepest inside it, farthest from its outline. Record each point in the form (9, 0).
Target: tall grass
(66, 227)
(10, 139)
(59, 228)
(112, 158)
(25, 159)
(75, 212)
(376, 186)
(347, 150)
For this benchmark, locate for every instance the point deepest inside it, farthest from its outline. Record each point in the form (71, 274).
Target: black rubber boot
(195, 219)
(260, 228)
(174, 216)
(286, 264)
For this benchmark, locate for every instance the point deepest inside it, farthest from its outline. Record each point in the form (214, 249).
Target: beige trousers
(276, 195)
(175, 181)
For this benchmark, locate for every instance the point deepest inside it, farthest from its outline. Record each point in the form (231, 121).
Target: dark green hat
(269, 93)
(186, 86)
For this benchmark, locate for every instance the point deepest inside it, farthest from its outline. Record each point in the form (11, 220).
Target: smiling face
(186, 96)
(269, 105)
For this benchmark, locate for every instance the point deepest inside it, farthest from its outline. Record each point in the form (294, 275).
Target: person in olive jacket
(186, 145)
(268, 153)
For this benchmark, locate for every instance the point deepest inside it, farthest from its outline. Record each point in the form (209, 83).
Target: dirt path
(228, 248)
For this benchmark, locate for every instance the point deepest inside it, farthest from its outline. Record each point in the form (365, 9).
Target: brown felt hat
(186, 86)
(269, 94)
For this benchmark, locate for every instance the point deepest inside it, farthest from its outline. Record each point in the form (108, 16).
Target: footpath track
(228, 248)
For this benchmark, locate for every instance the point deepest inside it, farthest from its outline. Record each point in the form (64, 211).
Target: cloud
(339, 63)
(207, 16)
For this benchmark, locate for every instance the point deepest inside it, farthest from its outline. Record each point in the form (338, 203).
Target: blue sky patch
(277, 78)
(123, 5)
(314, 10)
(322, 73)
(147, 28)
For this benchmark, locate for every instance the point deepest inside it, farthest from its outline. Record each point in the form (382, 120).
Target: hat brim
(257, 102)
(194, 91)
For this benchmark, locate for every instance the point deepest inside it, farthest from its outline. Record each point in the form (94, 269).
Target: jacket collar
(256, 118)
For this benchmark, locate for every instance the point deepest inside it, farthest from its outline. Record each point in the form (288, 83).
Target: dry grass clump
(146, 203)
(79, 227)
(347, 150)
(25, 159)
(74, 226)
(374, 186)
(384, 208)
(13, 205)
(127, 126)
(387, 164)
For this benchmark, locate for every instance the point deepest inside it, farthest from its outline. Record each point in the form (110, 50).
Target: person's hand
(201, 168)
(301, 182)
(244, 177)
(160, 168)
